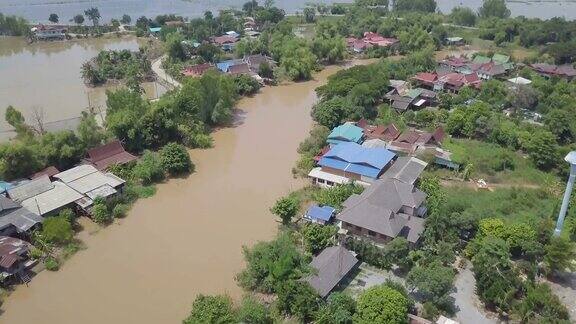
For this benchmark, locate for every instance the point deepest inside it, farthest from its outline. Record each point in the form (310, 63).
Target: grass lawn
(496, 164)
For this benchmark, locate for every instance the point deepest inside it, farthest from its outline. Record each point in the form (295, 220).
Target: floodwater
(39, 10)
(187, 238)
(45, 77)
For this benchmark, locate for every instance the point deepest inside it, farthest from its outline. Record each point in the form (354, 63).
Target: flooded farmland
(45, 77)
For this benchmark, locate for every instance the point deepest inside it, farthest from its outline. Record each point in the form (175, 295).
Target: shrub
(57, 230)
(286, 208)
(381, 304)
(100, 213)
(149, 168)
(35, 253)
(175, 159)
(51, 264)
(211, 309)
(120, 210)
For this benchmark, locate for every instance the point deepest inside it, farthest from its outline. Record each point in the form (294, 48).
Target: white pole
(570, 158)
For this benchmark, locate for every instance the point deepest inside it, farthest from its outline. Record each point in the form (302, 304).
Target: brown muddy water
(187, 239)
(45, 76)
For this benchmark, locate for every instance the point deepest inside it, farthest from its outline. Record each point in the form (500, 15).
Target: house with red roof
(197, 70)
(104, 156)
(565, 71)
(369, 40)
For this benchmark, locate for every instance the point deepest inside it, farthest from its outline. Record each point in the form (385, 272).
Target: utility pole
(570, 158)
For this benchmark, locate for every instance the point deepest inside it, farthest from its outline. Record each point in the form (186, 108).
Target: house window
(371, 233)
(330, 183)
(320, 180)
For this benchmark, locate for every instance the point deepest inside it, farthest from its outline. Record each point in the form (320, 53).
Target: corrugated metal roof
(352, 157)
(323, 213)
(12, 214)
(346, 132)
(59, 196)
(75, 173)
(86, 178)
(30, 189)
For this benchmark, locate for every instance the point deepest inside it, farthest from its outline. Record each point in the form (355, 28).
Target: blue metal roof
(346, 133)
(324, 213)
(4, 186)
(224, 66)
(155, 29)
(354, 158)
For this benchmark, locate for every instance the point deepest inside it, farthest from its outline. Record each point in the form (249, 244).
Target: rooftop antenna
(570, 158)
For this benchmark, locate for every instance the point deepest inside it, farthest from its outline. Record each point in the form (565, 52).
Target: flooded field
(46, 77)
(187, 238)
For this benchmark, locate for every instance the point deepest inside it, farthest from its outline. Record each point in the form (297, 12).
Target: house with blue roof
(225, 66)
(320, 214)
(347, 162)
(346, 133)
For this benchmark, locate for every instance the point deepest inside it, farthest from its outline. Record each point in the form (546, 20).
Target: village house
(16, 220)
(565, 71)
(104, 156)
(45, 32)
(254, 62)
(319, 214)
(455, 41)
(49, 171)
(14, 259)
(370, 40)
(404, 99)
(347, 162)
(43, 197)
(227, 41)
(197, 70)
(414, 140)
(447, 81)
(332, 265)
(484, 67)
(389, 208)
(345, 133)
(385, 133)
(90, 183)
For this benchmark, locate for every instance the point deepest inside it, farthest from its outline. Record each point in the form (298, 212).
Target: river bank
(187, 239)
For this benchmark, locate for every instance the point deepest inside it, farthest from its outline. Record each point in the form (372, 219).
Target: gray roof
(86, 178)
(406, 169)
(41, 196)
(332, 264)
(30, 189)
(380, 209)
(12, 214)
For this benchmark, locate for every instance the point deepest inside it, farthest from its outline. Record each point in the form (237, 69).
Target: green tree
(175, 159)
(332, 112)
(89, 132)
(286, 208)
(560, 255)
(381, 304)
(211, 309)
(17, 160)
(149, 168)
(496, 281)
(494, 8)
(415, 5)
(463, 16)
(434, 280)
(53, 18)
(298, 61)
(336, 195)
(15, 119)
(309, 14)
(246, 85)
(270, 264)
(298, 299)
(100, 212)
(339, 309)
(540, 305)
(318, 237)
(126, 19)
(78, 19)
(94, 15)
(174, 46)
(57, 230)
(252, 311)
(541, 147)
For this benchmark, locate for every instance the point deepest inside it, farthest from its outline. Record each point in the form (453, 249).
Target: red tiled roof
(225, 39)
(409, 137)
(439, 134)
(106, 155)
(197, 70)
(49, 171)
(362, 123)
(426, 77)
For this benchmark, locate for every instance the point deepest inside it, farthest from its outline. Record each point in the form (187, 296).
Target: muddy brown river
(187, 238)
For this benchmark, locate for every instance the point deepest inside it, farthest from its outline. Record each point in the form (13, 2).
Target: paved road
(466, 301)
(163, 77)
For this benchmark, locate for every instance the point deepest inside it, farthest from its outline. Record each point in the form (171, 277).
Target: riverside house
(347, 132)
(14, 259)
(16, 220)
(332, 265)
(390, 207)
(349, 161)
(104, 156)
